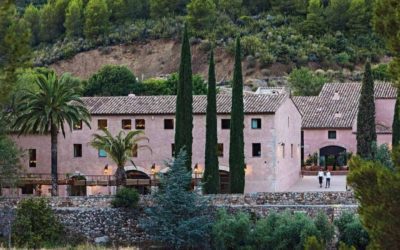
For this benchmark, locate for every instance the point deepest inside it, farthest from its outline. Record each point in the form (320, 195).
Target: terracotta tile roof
(152, 105)
(337, 104)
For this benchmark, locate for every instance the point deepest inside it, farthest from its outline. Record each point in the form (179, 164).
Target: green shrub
(325, 228)
(312, 243)
(351, 232)
(35, 225)
(126, 198)
(231, 231)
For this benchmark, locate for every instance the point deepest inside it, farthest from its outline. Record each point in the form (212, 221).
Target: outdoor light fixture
(106, 169)
(196, 168)
(153, 168)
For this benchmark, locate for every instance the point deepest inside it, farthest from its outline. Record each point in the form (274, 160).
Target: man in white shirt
(320, 177)
(328, 179)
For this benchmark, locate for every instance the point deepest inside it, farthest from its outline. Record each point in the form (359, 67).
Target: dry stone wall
(94, 220)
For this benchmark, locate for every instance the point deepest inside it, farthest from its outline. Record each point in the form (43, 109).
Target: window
(283, 150)
(140, 124)
(127, 124)
(332, 135)
(168, 123)
(27, 189)
(77, 150)
(32, 158)
(225, 123)
(78, 125)
(256, 148)
(220, 150)
(102, 124)
(256, 123)
(291, 150)
(135, 151)
(173, 150)
(102, 153)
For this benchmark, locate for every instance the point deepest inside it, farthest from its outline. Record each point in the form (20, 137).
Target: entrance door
(333, 156)
(224, 182)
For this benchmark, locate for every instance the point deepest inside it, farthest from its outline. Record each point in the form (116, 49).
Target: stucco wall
(288, 131)
(258, 175)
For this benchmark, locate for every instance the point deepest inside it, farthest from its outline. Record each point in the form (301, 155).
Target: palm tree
(46, 110)
(120, 148)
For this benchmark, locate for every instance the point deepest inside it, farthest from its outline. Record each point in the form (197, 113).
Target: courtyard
(310, 184)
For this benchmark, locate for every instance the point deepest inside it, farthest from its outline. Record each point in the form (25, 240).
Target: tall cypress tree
(366, 128)
(184, 102)
(236, 151)
(396, 123)
(211, 173)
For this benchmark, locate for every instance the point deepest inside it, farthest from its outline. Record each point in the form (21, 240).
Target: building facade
(329, 126)
(272, 141)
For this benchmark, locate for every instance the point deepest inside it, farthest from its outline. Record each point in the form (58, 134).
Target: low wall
(95, 220)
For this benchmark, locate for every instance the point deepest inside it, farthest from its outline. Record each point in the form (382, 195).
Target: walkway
(310, 184)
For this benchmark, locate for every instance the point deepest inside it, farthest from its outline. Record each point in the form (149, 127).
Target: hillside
(157, 58)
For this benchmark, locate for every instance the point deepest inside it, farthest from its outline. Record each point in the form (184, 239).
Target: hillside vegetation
(325, 34)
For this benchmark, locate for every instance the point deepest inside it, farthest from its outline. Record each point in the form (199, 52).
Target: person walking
(320, 177)
(328, 179)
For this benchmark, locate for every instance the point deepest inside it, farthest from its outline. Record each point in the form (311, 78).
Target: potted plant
(330, 162)
(308, 163)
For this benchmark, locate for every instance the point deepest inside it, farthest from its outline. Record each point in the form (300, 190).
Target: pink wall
(385, 111)
(258, 175)
(288, 165)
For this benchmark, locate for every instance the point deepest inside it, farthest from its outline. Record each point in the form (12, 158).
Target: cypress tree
(236, 152)
(366, 131)
(211, 173)
(396, 124)
(184, 102)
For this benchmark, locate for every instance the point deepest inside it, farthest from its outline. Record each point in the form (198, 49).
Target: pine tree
(32, 17)
(184, 102)
(96, 18)
(236, 152)
(211, 173)
(366, 131)
(74, 19)
(179, 217)
(315, 23)
(396, 124)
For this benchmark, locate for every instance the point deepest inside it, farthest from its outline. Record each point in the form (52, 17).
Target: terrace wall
(94, 219)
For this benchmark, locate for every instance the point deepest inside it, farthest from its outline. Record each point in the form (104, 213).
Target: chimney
(338, 114)
(336, 96)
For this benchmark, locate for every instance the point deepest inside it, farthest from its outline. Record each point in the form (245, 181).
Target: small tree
(211, 173)
(178, 217)
(396, 124)
(112, 80)
(377, 189)
(236, 144)
(366, 128)
(304, 82)
(184, 102)
(96, 18)
(202, 14)
(74, 19)
(35, 225)
(32, 17)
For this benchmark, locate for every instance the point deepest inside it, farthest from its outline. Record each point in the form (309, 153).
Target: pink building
(329, 124)
(272, 140)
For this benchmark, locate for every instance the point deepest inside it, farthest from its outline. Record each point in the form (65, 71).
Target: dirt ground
(157, 58)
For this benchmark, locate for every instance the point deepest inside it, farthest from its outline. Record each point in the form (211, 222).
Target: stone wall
(95, 220)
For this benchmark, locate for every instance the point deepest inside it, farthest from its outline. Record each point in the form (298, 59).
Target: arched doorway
(333, 156)
(224, 182)
(140, 181)
(78, 186)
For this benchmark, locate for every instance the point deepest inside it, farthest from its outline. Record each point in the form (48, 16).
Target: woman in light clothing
(320, 177)
(328, 179)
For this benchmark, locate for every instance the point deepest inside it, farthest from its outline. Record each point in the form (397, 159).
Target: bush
(351, 232)
(231, 231)
(35, 225)
(312, 243)
(126, 198)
